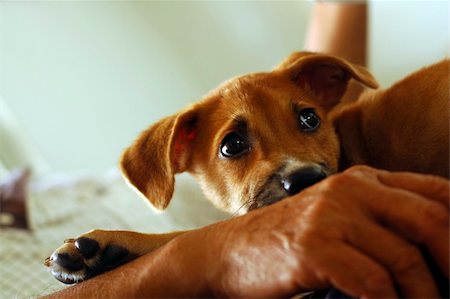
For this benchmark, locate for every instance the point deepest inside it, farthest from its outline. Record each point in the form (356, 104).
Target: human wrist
(195, 263)
(344, 31)
(203, 253)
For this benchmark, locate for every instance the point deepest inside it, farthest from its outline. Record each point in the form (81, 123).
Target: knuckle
(436, 214)
(438, 183)
(377, 278)
(320, 221)
(308, 232)
(320, 207)
(309, 236)
(409, 262)
(360, 171)
(434, 217)
(336, 181)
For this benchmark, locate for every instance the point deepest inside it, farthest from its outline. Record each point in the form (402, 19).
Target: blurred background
(79, 79)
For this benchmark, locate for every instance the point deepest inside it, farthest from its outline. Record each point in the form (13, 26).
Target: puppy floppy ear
(325, 76)
(164, 149)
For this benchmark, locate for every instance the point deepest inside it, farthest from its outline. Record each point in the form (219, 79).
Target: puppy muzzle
(286, 183)
(302, 178)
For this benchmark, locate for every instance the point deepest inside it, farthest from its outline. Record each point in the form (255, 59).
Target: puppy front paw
(86, 256)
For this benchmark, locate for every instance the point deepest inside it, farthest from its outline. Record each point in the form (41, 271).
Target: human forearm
(339, 29)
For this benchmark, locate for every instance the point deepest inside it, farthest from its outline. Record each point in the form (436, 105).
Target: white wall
(84, 78)
(407, 35)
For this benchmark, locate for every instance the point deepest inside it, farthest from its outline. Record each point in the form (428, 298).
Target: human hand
(356, 231)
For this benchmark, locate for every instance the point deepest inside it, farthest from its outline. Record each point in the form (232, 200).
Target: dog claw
(47, 262)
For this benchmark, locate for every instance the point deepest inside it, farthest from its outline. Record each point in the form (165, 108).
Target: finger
(403, 259)
(405, 206)
(428, 186)
(416, 218)
(354, 273)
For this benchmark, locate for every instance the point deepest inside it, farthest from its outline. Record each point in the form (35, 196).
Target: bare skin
(356, 231)
(343, 34)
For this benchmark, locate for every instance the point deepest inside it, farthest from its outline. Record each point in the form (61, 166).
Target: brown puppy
(262, 137)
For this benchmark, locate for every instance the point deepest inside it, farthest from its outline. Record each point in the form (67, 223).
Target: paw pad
(82, 258)
(70, 262)
(87, 247)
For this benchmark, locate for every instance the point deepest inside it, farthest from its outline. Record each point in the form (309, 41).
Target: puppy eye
(309, 121)
(233, 145)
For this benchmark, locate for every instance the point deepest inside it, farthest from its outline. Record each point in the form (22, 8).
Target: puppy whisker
(246, 203)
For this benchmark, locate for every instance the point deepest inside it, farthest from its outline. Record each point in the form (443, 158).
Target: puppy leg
(98, 251)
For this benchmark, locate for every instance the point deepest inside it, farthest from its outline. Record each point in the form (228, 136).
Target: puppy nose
(302, 178)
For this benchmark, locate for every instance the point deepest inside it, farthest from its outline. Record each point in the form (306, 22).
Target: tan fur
(405, 127)
(265, 101)
(402, 128)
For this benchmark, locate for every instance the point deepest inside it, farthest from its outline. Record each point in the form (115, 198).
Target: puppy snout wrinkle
(302, 178)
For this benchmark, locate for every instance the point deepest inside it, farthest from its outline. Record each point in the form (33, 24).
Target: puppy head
(253, 140)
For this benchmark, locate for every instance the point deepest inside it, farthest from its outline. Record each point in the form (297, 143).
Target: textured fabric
(62, 207)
